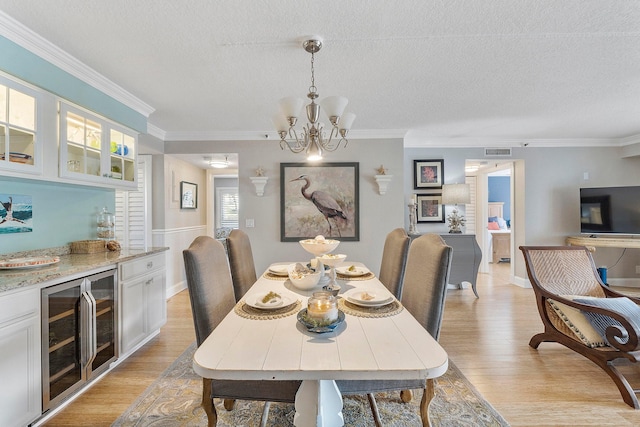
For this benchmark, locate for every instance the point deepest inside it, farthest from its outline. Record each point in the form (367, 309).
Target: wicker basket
(88, 246)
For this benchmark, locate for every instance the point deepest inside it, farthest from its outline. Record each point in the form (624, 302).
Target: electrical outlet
(249, 223)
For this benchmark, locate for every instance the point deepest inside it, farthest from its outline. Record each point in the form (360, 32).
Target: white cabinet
(95, 150)
(20, 390)
(143, 308)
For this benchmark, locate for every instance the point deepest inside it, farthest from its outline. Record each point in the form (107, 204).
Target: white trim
(416, 141)
(271, 135)
(154, 130)
(165, 231)
(33, 42)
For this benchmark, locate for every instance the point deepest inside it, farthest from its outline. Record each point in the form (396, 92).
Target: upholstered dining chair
(582, 313)
(243, 270)
(424, 291)
(212, 298)
(394, 258)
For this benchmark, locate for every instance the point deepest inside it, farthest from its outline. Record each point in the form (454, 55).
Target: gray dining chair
(212, 297)
(243, 270)
(423, 295)
(394, 258)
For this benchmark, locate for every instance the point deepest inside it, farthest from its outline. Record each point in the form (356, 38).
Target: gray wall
(378, 214)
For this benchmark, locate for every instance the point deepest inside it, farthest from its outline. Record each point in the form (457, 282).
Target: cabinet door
(20, 137)
(156, 304)
(133, 314)
(20, 371)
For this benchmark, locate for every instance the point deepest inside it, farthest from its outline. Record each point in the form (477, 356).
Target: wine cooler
(79, 334)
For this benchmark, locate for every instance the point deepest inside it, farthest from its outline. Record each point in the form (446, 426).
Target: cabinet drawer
(20, 304)
(138, 267)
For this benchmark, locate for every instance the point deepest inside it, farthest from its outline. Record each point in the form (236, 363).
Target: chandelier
(313, 139)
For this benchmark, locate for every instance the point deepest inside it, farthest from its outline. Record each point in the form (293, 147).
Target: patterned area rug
(174, 400)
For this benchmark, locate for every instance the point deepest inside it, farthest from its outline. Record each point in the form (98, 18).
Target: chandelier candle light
(454, 194)
(312, 139)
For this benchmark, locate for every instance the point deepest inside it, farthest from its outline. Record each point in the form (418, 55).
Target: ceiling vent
(497, 152)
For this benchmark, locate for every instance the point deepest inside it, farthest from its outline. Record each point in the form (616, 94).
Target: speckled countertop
(70, 265)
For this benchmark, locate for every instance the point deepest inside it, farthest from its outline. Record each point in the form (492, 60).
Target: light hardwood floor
(487, 338)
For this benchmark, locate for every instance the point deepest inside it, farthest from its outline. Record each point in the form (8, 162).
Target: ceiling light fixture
(218, 164)
(312, 139)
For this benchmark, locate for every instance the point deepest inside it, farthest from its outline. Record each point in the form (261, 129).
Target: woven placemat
(272, 276)
(242, 309)
(367, 276)
(355, 310)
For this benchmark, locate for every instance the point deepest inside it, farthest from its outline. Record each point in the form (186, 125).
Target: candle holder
(413, 228)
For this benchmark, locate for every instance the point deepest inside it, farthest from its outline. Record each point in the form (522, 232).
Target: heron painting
(319, 200)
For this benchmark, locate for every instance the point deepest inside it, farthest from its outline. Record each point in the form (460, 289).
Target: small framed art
(430, 208)
(428, 174)
(188, 195)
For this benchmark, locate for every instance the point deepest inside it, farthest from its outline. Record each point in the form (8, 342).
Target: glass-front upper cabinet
(20, 146)
(96, 150)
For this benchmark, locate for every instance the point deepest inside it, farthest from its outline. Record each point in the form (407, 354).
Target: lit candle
(322, 306)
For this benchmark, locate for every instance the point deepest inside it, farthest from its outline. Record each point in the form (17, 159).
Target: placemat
(244, 310)
(272, 276)
(367, 276)
(355, 310)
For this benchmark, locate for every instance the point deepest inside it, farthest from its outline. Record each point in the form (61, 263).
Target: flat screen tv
(613, 210)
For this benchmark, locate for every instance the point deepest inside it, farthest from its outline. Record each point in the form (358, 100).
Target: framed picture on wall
(188, 195)
(430, 208)
(319, 199)
(428, 174)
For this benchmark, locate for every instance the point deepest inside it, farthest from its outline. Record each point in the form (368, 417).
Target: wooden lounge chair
(570, 297)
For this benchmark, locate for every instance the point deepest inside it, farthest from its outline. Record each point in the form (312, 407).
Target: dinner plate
(357, 271)
(378, 299)
(31, 262)
(255, 301)
(311, 327)
(279, 269)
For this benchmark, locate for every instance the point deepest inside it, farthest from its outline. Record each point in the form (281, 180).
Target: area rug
(174, 400)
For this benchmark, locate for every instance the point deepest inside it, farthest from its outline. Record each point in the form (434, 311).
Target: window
(227, 203)
(17, 123)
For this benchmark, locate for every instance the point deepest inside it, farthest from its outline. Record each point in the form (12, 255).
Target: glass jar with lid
(106, 225)
(323, 307)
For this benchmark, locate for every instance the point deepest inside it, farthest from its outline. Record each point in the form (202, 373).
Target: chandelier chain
(312, 88)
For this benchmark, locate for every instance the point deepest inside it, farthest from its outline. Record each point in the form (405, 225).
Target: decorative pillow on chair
(577, 322)
(493, 226)
(600, 322)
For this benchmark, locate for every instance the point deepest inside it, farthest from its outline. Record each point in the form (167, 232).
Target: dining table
(383, 342)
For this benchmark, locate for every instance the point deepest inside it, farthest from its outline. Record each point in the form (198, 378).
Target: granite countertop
(69, 265)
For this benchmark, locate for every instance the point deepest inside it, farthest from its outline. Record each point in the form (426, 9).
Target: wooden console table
(603, 242)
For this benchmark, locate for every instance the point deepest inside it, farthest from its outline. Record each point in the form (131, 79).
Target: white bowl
(319, 247)
(331, 259)
(306, 282)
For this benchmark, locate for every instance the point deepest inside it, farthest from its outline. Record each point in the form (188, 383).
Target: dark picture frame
(188, 195)
(428, 174)
(330, 206)
(430, 208)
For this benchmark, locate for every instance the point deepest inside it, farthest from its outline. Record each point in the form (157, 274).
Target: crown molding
(630, 140)
(417, 142)
(259, 136)
(36, 44)
(154, 130)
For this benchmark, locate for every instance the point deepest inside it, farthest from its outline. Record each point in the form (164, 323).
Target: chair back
(243, 270)
(394, 258)
(209, 283)
(562, 270)
(425, 280)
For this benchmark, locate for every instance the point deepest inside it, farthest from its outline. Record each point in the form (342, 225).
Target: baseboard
(176, 288)
(627, 282)
(520, 281)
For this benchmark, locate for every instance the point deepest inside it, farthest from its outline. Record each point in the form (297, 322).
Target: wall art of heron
(326, 204)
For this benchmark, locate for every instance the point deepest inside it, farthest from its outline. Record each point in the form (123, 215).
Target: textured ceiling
(454, 71)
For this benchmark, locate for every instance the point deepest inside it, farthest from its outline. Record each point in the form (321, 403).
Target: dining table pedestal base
(318, 403)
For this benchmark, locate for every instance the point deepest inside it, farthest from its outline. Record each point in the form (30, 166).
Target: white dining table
(375, 348)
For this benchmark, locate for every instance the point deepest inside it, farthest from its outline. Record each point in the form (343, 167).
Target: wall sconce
(259, 181)
(383, 180)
